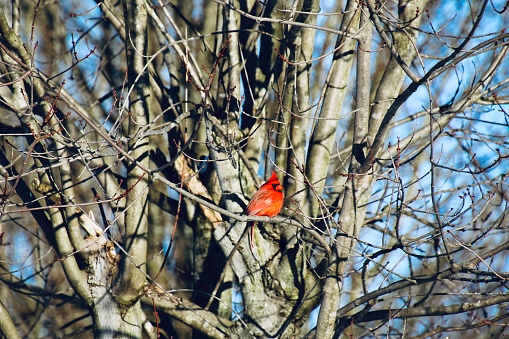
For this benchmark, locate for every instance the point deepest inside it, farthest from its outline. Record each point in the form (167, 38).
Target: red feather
(268, 201)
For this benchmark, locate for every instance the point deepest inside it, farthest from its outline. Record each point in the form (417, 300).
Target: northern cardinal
(268, 201)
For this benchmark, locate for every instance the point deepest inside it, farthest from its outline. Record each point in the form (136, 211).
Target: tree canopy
(133, 134)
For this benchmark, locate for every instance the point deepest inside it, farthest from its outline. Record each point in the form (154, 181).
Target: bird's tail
(251, 234)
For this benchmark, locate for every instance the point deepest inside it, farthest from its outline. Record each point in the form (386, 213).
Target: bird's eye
(277, 187)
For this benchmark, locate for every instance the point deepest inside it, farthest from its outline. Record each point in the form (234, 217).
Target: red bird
(268, 201)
